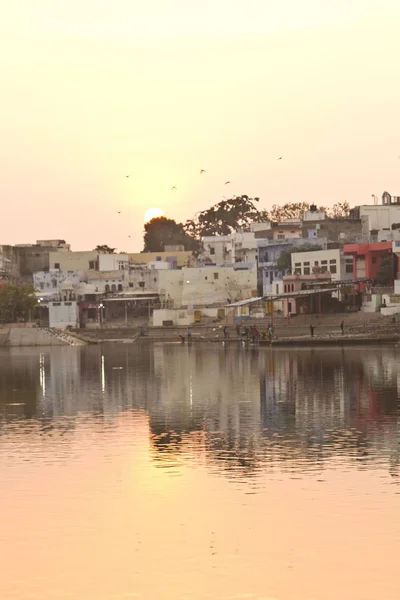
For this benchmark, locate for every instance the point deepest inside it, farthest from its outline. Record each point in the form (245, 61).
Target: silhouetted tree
(104, 249)
(161, 232)
(225, 217)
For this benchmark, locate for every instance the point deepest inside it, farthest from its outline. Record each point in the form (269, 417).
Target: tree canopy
(105, 249)
(231, 214)
(161, 232)
(385, 275)
(296, 210)
(16, 302)
(224, 217)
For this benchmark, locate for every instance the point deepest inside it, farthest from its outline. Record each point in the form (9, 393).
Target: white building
(63, 314)
(113, 262)
(218, 249)
(323, 261)
(233, 248)
(50, 282)
(207, 286)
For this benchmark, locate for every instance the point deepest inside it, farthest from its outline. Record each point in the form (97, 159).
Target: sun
(153, 213)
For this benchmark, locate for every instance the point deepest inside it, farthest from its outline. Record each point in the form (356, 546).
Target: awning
(298, 294)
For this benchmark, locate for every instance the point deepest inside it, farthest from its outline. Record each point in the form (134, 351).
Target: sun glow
(152, 213)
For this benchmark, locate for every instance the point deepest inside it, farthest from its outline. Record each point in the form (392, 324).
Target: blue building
(269, 251)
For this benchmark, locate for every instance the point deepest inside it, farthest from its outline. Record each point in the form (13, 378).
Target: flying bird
(226, 182)
(127, 176)
(202, 171)
(173, 188)
(280, 158)
(119, 212)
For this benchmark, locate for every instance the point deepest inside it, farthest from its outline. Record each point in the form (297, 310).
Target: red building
(367, 258)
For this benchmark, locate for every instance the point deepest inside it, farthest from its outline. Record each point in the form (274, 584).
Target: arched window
(107, 288)
(120, 287)
(113, 287)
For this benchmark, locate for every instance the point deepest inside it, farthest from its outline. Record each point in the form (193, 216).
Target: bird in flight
(119, 212)
(280, 158)
(127, 176)
(226, 182)
(202, 171)
(173, 188)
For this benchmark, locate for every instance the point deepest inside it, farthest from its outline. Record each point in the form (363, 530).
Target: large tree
(161, 232)
(16, 302)
(224, 217)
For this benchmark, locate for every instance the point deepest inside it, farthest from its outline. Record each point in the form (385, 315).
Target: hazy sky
(93, 90)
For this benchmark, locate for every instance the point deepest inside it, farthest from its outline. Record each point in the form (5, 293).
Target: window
(281, 236)
(54, 283)
(92, 265)
(349, 267)
(113, 287)
(216, 275)
(206, 277)
(307, 264)
(120, 287)
(292, 232)
(67, 303)
(56, 265)
(297, 264)
(332, 261)
(284, 288)
(212, 250)
(141, 284)
(332, 269)
(277, 288)
(315, 263)
(130, 284)
(306, 270)
(41, 285)
(324, 269)
(324, 262)
(56, 303)
(107, 288)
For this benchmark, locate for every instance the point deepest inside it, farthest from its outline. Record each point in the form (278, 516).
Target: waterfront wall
(15, 337)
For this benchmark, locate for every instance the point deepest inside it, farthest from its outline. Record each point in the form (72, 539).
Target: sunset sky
(94, 90)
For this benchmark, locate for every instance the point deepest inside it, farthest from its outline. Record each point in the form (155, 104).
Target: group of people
(254, 334)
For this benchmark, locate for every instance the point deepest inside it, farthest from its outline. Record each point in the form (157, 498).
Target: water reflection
(236, 409)
(183, 473)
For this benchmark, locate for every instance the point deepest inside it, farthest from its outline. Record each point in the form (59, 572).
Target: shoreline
(354, 340)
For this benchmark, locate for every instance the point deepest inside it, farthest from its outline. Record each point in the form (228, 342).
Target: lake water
(165, 472)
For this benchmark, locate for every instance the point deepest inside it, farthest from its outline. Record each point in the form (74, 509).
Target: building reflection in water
(235, 409)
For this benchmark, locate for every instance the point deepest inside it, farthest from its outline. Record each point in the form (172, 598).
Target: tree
(340, 210)
(161, 232)
(225, 217)
(284, 262)
(385, 274)
(104, 249)
(290, 210)
(16, 302)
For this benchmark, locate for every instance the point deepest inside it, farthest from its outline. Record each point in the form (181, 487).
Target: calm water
(204, 472)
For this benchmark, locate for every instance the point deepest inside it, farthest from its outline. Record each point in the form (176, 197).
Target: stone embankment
(17, 337)
(359, 328)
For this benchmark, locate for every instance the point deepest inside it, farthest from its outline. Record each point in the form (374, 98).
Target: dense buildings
(273, 260)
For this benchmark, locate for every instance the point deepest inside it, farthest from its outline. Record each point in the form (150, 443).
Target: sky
(94, 90)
